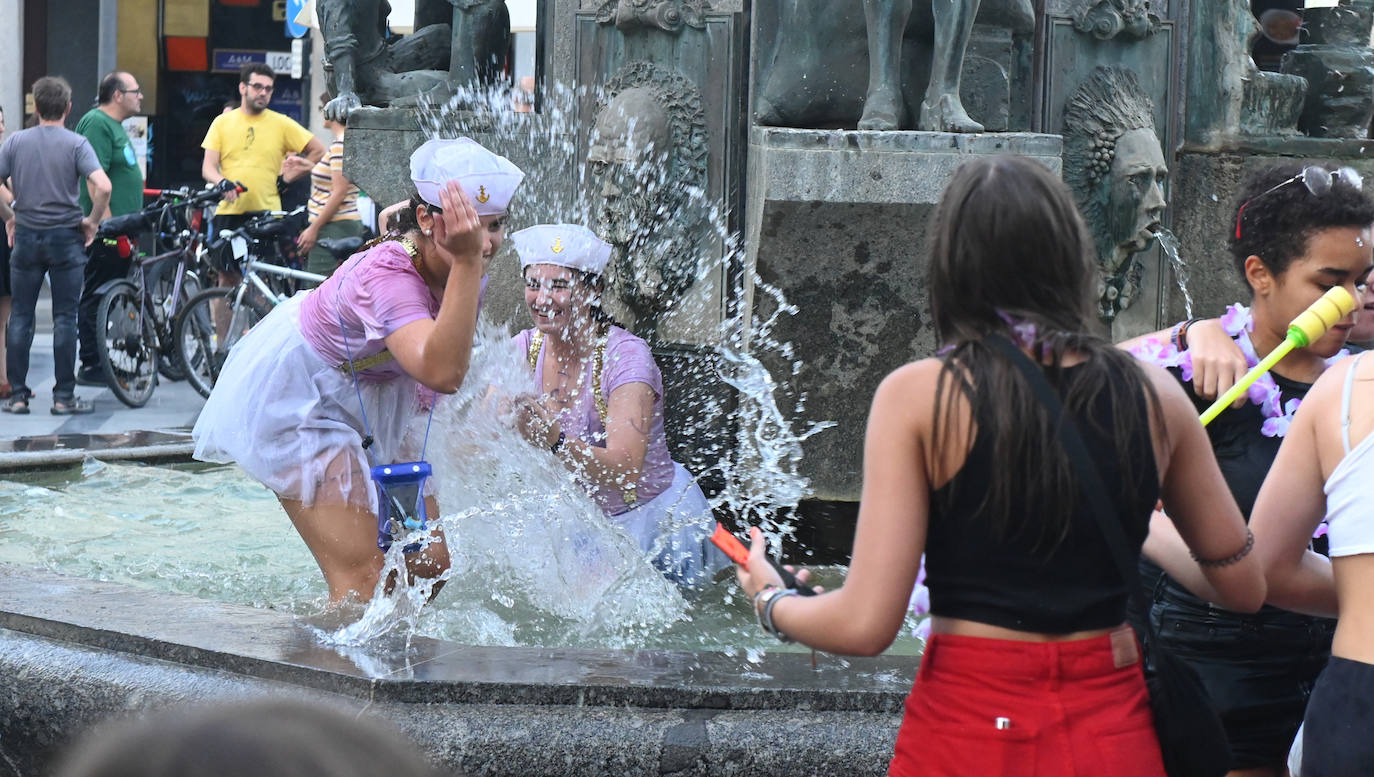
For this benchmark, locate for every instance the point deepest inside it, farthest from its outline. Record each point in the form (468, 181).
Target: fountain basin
(75, 651)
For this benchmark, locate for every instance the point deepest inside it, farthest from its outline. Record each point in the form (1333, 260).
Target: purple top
(377, 292)
(628, 360)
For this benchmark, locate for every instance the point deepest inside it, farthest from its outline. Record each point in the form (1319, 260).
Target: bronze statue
(456, 42)
(480, 36)
(1116, 169)
(366, 70)
(941, 110)
(809, 81)
(647, 158)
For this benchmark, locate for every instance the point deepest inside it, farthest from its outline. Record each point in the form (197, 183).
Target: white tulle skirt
(673, 528)
(294, 422)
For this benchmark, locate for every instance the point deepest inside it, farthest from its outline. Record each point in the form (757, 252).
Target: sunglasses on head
(1316, 178)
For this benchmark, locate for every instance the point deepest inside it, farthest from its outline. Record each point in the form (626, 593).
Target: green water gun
(1306, 329)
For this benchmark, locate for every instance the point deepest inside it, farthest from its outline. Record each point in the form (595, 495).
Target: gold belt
(349, 369)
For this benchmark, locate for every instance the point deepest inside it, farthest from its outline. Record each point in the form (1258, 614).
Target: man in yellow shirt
(248, 145)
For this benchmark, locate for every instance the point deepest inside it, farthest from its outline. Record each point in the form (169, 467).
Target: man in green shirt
(120, 98)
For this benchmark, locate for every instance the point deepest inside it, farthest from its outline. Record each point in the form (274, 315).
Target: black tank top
(1075, 586)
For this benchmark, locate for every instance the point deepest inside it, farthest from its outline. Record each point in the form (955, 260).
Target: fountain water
(1168, 243)
(535, 562)
(517, 519)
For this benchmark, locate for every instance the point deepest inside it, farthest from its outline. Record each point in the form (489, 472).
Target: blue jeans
(61, 255)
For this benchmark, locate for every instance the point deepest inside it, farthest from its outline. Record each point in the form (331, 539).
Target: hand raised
(1218, 363)
(458, 228)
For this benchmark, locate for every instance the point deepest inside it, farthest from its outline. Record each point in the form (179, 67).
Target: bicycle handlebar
(131, 224)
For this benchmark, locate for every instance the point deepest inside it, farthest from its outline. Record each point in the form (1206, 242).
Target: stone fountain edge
(77, 651)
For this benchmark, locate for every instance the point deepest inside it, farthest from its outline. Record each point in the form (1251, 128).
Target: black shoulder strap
(1089, 479)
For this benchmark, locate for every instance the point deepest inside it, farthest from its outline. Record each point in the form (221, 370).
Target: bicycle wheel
(170, 364)
(198, 340)
(126, 341)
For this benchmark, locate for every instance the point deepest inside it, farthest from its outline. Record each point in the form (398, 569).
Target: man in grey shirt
(43, 167)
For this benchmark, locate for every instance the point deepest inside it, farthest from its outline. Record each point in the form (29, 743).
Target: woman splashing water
(1030, 658)
(325, 386)
(598, 404)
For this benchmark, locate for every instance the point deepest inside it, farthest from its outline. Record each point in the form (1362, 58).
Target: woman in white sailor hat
(326, 385)
(598, 404)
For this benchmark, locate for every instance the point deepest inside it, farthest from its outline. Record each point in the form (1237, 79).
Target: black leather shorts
(1259, 668)
(1340, 717)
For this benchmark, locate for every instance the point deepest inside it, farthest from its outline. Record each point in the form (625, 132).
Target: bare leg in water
(343, 538)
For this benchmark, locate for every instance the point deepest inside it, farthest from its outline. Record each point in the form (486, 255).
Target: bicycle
(135, 315)
(204, 332)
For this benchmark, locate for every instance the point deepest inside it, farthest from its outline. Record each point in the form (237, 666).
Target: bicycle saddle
(129, 224)
(341, 247)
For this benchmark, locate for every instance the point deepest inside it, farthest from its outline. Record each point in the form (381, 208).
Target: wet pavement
(172, 408)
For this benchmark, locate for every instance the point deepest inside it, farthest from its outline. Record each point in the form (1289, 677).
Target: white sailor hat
(489, 179)
(564, 245)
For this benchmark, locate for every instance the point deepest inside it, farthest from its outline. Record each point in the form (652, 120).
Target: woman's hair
(1009, 245)
(1276, 225)
(264, 738)
(597, 283)
(406, 218)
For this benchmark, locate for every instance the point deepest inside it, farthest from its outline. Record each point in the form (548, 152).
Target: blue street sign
(230, 60)
(293, 30)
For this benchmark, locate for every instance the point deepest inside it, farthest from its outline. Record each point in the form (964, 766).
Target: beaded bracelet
(1229, 560)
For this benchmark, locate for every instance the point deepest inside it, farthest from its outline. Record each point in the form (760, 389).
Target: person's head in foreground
(1298, 231)
(1011, 256)
(263, 738)
(563, 265)
(489, 179)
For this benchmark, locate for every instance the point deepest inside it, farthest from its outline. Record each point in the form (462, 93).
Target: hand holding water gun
(1306, 329)
(738, 551)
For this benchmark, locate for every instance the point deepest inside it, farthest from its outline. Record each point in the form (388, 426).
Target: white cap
(564, 245)
(489, 179)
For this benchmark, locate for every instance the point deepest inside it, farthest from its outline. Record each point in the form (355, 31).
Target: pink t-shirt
(370, 296)
(628, 360)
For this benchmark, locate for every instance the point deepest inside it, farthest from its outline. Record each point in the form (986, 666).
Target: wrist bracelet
(1180, 336)
(768, 605)
(1231, 559)
(558, 444)
(765, 593)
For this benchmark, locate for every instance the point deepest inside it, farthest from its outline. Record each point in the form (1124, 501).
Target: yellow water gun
(1306, 329)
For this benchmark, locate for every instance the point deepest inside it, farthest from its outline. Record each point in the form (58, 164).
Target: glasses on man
(138, 92)
(264, 88)
(1318, 181)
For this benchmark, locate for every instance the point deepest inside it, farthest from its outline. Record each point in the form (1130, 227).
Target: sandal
(16, 405)
(73, 406)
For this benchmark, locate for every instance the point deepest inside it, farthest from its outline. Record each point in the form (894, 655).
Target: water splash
(527, 530)
(1169, 244)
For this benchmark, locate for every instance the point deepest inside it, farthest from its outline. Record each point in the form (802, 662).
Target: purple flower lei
(919, 605)
(1023, 333)
(1265, 392)
(1238, 323)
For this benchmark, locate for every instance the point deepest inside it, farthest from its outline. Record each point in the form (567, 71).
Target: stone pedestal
(1204, 186)
(837, 221)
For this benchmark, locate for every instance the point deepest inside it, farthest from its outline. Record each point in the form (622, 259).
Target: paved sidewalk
(173, 406)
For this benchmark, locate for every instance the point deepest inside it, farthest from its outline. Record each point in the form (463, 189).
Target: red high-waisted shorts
(1005, 708)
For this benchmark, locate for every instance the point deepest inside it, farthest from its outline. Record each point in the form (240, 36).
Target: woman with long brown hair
(1030, 666)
